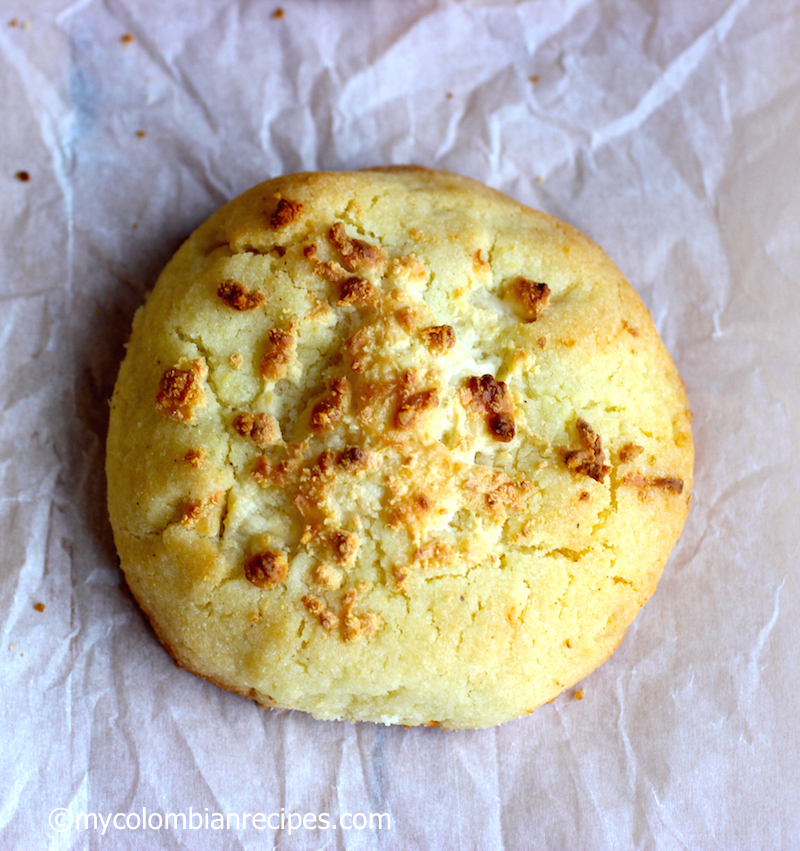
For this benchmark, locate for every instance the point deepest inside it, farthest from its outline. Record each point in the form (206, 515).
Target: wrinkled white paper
(665, 131)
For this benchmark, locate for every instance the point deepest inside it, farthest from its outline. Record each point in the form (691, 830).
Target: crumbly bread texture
(389, 446)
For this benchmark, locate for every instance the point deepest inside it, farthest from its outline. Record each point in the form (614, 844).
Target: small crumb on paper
(579, 694)
(23, 176)
(126, 39)
(141, 134)
(278, 14)
(39, 607)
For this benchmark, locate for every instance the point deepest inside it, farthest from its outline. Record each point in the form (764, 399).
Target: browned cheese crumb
(357, 254)
(438, 338)
(316, 607)
(411, 511)
(345, 547)
(329, 620)
(351, 623)
(359, 347)
(313, 605)
(332, 271)
(39, 607)
(191, 514)
(357, 292)
(238, 297)
(413, 408)
(401, 574)
(236, 361)
(286, 213)
(667, 483)
(280, 351)
(529, 298)
(629, 452)
(181, 392)
(590, 458)
(325, 464)
(502, 427)
(491, 396)
(353, 458)
(434, 553)
(267, 569)
(370, 622)
(498, 492)
(262, 471)
(260, 428)
(327, 576)
(331, 408)
(479, 263)
(195, 457)
(407, 318)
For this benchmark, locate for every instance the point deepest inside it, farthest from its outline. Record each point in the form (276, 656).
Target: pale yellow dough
(389, 446)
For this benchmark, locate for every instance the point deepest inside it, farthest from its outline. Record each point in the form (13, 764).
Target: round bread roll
(389, 446)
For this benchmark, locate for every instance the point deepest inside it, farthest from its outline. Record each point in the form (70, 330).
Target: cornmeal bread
(389, 446)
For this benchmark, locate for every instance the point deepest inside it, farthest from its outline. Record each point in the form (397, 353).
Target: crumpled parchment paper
(666, 131)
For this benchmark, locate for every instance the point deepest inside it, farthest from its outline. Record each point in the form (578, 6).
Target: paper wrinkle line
(72, 9)
(580, 784)
(30, 575)
(194, 755)
(373, 767)
(496, 815)
(671, 80)
(763, 637)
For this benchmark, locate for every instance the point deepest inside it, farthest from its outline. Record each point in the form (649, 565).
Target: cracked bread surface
(389, 446)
